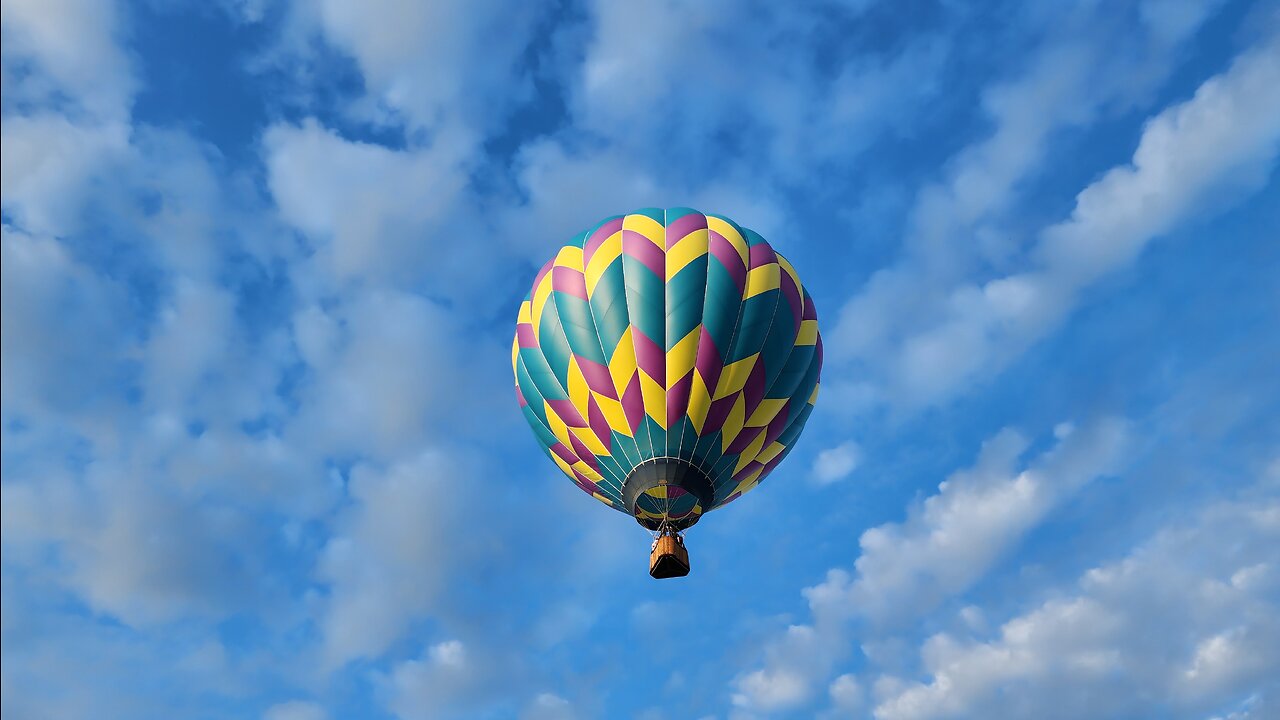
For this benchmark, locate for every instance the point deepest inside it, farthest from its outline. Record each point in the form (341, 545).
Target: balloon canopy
(667, 361)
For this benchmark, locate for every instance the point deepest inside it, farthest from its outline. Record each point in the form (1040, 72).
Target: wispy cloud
(1189, 617)
(923, 330)
(947, 543)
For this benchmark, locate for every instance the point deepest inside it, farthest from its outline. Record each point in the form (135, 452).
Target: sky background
(262, 457)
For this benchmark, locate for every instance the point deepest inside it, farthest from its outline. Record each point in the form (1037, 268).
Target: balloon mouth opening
(669, 492)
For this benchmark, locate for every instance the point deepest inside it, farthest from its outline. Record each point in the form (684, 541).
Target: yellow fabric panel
(699, 402)
(734, 376)
(589, 439)
(690, 248)
(609, 251)
(602, 499)
(541, 295)
(587, 471)
(730, 233)
(557, 426)
(763, 279)
(748, 482)
(808, 333)
(733, 423)
(564, 466)
(648, 515)
(680, 359)
(750, 453)
(788, 269)
(613, 413)
(770, 452)
(526, 312)
(578, 389)
(622, 366)
(647, 227)
(813, 396)
(515, 355)
(655, 399)
(766, 411)
(570, 257)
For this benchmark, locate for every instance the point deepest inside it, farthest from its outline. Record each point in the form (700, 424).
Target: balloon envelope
(667, 361)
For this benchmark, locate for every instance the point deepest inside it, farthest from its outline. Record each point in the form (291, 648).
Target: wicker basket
(669, 558)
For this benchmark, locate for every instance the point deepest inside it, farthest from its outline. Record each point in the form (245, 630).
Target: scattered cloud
(947, 543)
(926, 331)
(1167, 626)
(834, 464)
(390, 558)
(410, 56)
(67, 52)
(296, 710)
(976, 517)
(547, 706)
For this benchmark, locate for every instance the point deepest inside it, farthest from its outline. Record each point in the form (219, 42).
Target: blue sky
(261, 454)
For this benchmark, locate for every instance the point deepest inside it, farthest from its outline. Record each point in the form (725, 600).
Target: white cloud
(624, 91)
(450, 653)
(66, 49)
(570, 620)
(391, 556)
(190, 342)
(565, 184)
(296, 710)
(946, 545)
(623, 104)
(1217, 147)
(73, 665)
(837, 463)
(632, 52)
(923, 330)
(373, 213)
(450, 680)
(794, 663)
(548, 706)
(150, 524)
(227, 464)
(955, 536)
(61, 328)
(1162, 628)
(847, 696)
(1220, 144)
(410, 55)
(1253, 707)
(194, 218)
(46, 163)
(135, 551)
(388, 370)
(768, 690)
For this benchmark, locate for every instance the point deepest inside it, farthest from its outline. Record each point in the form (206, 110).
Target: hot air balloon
(667, 361)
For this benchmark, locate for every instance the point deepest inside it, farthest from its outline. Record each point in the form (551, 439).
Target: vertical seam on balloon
(817, 377)
(595, 322)
(666, 328)
(520, 361)
(774, 384)
(706, 285)
(737, 325)
(626, 295)
(556, 309)
(763, 342)
(742, 305)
